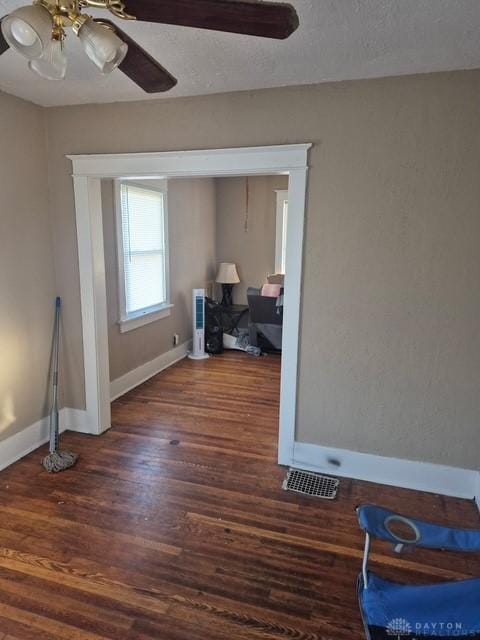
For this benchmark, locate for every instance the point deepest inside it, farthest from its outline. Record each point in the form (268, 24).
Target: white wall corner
(74, 420)
(408, 474)
(146, 371)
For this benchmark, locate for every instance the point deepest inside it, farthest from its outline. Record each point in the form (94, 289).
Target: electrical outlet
(176, 339)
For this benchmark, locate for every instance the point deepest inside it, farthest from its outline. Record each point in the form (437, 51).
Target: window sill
(134, 322)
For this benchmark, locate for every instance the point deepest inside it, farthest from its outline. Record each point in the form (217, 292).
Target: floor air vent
(311, 484)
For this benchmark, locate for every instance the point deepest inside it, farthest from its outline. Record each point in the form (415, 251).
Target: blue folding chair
(448, 610)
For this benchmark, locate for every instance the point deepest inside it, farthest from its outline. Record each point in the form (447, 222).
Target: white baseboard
(135, 377)
(409, 474)
(32, 437)
(22, 443)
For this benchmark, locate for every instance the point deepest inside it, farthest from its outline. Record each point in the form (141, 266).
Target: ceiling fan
(37, 32)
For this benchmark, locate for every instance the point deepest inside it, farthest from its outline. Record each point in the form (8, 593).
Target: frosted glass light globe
(28, 30)
(53, 64)
(23, 33)
(102, 46)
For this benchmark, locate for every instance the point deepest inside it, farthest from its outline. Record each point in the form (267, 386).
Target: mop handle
(54, 415)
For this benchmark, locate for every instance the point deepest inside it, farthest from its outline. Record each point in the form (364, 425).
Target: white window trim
(282, 195)
(131, 321)
(141, 318)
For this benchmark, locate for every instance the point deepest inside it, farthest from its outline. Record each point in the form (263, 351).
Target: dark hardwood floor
(174, 526)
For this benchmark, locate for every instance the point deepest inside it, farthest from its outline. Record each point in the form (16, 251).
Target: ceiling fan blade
(140, 67)
(250, 17)
(3, 43)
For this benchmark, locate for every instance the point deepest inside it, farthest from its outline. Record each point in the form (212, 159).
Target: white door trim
(88, 170)
(91, 261)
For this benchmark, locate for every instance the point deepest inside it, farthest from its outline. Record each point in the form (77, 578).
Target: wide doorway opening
(225, 238)
(163, 173)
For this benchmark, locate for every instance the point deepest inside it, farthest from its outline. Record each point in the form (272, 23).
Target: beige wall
(390, 347)
(27, 287)
(191, 229)
(248, 237)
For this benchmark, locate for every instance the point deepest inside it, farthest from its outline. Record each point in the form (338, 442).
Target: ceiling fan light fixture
(102, 45)
(28, 30)
(53, 64)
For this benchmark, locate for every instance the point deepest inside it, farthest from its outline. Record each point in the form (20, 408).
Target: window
(142, 254)
(281, 231)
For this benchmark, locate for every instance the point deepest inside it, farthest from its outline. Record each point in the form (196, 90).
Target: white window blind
(143, 248)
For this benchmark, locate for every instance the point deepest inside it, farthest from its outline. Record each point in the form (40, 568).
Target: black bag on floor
(213, 327)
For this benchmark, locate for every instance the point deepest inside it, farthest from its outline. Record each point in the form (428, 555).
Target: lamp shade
(102, 45)
(227, 273)
(53, 64)
(28, 30)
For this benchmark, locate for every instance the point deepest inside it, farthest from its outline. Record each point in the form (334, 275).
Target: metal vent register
(311, 484)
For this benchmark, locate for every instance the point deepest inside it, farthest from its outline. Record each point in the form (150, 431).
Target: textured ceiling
(337, 40)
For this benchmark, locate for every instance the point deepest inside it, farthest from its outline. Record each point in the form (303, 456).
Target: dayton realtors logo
(445, 629)
(399, 627)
